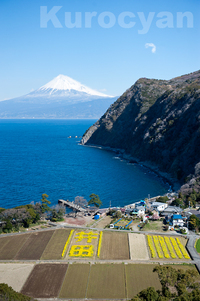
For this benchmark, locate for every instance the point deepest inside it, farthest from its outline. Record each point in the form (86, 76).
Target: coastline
(173, 183)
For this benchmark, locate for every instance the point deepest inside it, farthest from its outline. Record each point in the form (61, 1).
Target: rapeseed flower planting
(163, 246)
(84, 235)
(158, 247)
(67, 242)
(99, 245)
(176, 248)
(81, 251)
(151, 246)
(170, 248)
(184, 252)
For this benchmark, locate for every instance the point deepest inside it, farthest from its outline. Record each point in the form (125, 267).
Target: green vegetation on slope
(8, 294)
(147, 123)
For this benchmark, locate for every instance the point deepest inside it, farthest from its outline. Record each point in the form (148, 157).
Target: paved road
(192, 251)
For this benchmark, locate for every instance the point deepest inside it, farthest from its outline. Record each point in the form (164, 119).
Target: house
(171, 210)
(158, 206)
(195, 212)
(140, 210)
(176, 220)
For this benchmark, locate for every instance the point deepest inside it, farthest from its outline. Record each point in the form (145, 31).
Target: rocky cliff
(156, 121)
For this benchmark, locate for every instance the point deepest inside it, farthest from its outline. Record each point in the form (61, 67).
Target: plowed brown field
(10, 246)
(114, 246)
(45, 281)
(34, 246)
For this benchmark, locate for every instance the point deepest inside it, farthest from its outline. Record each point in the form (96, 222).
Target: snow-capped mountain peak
(65, 83)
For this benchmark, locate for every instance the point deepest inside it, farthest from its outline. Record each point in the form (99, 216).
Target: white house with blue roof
(176, 220)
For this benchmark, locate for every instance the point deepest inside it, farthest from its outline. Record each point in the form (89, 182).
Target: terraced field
(11, 245)
(139, 277)
(34, 246)
(56, 244)
(138, 246)
(107, 281)
(115, 246)
(75, 281)
(45, 281)
(165, 247)
(70, 244)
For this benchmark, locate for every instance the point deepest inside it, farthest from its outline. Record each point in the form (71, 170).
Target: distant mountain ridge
(63, 97)
(155, 121)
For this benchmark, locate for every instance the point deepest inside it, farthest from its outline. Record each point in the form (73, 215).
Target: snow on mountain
(65, 83)
(63, 97)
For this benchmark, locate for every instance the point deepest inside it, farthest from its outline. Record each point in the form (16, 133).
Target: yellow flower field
(166, 247)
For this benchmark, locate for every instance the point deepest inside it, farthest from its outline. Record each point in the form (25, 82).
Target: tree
(162, 199)
(118, 214)
(194, 222)
(45, 203)
(184, 284)
(8, 294)
(57, 213)
(149, 294)
(79, 201)
(15, 217)
(95, 200)
(177, 202)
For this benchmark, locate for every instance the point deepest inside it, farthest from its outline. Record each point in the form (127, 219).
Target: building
(195, 212)
(140, 210)
(158, 206)
(176, 220)
(170, 210)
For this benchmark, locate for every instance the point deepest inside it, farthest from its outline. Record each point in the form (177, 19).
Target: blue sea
(37, 156)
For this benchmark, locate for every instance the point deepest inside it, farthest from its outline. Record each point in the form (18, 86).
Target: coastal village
(100, 253)
(136, 216)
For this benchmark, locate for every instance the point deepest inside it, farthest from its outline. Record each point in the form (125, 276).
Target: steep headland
(157, 121)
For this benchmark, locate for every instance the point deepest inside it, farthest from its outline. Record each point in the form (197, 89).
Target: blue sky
(106, 59)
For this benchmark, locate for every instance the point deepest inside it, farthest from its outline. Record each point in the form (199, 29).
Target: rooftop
(173, 209)
(177, 216)
(158, 204)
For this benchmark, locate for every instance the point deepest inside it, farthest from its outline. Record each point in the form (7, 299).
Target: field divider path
(88, 282)
(125, 281)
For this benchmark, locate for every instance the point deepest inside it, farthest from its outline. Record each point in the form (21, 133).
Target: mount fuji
(62, 97)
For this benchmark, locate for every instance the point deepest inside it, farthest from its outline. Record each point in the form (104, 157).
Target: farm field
(138, 247)
(114, 246)
(106, 281)
(106, 220)
(34, 245)
(83, 244)
(154, 226)
(45, 281)
(75, 282)
(56, 244)
(15, 275)
(139, 277)
(10, 245)
(166, 247)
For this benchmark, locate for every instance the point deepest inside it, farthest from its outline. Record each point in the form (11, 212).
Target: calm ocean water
(36, 156)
